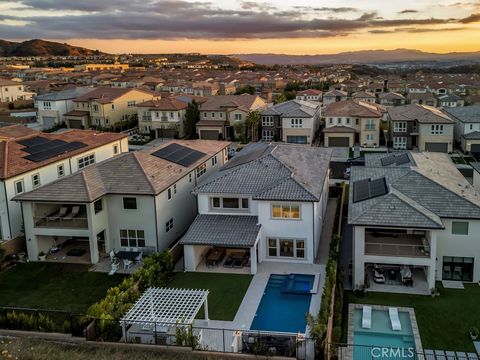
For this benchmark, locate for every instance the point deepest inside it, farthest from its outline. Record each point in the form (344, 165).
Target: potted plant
(473, 333)
(42, 256)
(433, 292)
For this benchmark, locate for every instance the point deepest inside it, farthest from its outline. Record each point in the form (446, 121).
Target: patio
(408, 245)
(394, 284)
(104, 264)
(71, 251)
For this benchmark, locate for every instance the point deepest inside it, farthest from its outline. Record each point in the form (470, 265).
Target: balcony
(60, 217)
(396, 244)
(370, 127)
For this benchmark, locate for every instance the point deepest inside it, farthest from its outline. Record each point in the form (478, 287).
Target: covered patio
(393, 279)
(222, 243)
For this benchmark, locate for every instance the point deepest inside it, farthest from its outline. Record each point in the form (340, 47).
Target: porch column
(205, 306)
(358, 256)
(433, 258)
(93, 249)
(253, 259)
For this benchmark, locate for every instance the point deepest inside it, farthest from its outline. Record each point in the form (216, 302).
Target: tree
(253, 122)
(192, 115)
(249, 89)
(279, 99)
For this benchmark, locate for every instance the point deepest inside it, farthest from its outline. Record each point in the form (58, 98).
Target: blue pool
(382, 336)
(284, 304)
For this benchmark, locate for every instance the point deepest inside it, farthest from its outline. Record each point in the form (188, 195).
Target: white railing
(56, 222)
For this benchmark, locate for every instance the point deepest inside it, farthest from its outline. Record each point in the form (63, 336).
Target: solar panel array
(395, 159)
(40, 148)
(179, 154)
(388, 160)
(368, 189)
(402, 159)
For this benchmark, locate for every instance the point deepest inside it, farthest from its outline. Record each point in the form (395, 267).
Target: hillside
(360, 57)
(38, 47)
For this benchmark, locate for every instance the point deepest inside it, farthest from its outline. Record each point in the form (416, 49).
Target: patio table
(128, 255)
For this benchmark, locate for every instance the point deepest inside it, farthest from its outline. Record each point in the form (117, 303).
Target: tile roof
(135, 173)
(338, 129)
(352, 108)
(164, 104)
(230, 230)
(293, 108)
(106, 95)
(13, 163)
(220, 102)
(64, 94)
(375, 160)
(422, 113)
(466, 114)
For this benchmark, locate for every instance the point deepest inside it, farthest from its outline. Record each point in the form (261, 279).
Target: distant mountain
(359, 57)
(38, 47)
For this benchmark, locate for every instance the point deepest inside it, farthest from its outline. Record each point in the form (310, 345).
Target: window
(284, 211)
(174, 189)
(370, 137)
(36, 180)
(267, 121)
(229, 203)
(286, 247)
(19, 188)
(115, 149)
(86, 161)
(95, 108)
(216, 203)
(169, 193)
(202, 169)
(370, 125)
(399, 142)
(113, 106)
(457, 268)
(437, 129)
(348, 120)
(190, 177)
(213, 115)
(204, 114)
(459, 227)
(130, 203)
(267, 134)
(132, 238)
(296, 123)
(238, 117)
(357, 121)
(214, 160)
(330, 121)
(296, 139)
(399, 126)
(300, 249)
(129, 104)
(98, 206)
(289, 248)
(169, 225)
(272, 247)
(60, 170)
(47, 105)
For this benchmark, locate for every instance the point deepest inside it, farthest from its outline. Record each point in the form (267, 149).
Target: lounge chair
(58, 215)
(127, 264)
(440, 355)
(75, 211)
(394, 319)
(367, 317)
(472, 356)
(429, 354)
(228, 262)
(378, 277)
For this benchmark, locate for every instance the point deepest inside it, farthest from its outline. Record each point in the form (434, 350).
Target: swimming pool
(284, 304)
(398, 344)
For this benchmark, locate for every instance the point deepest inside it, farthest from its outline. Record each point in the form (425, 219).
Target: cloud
(471, 19)
(408, 11)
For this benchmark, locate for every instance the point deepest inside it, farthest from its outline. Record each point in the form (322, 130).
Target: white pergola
(166, 307)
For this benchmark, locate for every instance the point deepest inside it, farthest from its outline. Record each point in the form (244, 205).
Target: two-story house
(310, 95)
(420, 126)
(267, 204)
(450, 100)
(31, 159)
(219, 114)
(53, 106)
(293, 121)
(415, 220)
(422, 98)
(391, 99)
(138, 200)
(11, 91)
(334, 96)
(364, 96)
(467, 127)
(348, 122)
(104, 106)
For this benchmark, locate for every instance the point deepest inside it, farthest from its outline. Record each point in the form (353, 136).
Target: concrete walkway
(323, 249)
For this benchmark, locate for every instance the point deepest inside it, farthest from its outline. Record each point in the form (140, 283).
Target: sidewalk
(324, 247)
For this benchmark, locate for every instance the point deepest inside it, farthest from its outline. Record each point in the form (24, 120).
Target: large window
(296, 123)
(267, 121)
(169, 225)
(457, 268)
(132, 238)
(19, 188)
(459, 227)
(399, 142)
(296, 139)
(437, 129)
(86, 160)
(130, 203)
(36, 180)
(267, 134)
(229, 203)
(98, 206)
(202, 169)
(288, 248)
(285, 211)
(400, 126)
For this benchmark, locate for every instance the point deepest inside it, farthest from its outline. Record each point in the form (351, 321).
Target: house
(420, 126)
(53, 106)
(466, 130)
(293, 121)
(105, 107)
(422, 98)
(333, 96)
(310, 95)
(364, 96)
(220, 114)
(268, 203)
(415, 220)
(348, 122)
(31, 159)
(101, 67)
(11, 91)
(140, 200)
(450, 100)
(391, 99)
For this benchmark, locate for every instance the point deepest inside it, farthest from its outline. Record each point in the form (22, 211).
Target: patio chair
(394, 319)
(457, 271)
(378, 278)
(367, 317)
(228, 262)
(440, 355)
(127, 264)
(447, 272)
(75, 211)
(114, 268)
(139, 257)
(112, 256)
(429, 354)
(58, 215)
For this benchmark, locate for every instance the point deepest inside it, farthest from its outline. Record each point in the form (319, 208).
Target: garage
(75, 124)
(209, 134)
(339, 141)
(475, 148)
(436, 147)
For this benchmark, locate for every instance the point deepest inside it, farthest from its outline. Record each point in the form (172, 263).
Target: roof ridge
(5, 160)
(143, 170)
(85, 182)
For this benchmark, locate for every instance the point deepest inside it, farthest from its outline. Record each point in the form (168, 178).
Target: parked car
(360, 160)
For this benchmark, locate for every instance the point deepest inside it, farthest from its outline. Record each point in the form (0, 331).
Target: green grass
(69, 287)
(226, 291)
(444, 321)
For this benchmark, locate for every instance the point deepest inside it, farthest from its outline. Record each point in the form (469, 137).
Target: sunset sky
(229, 26)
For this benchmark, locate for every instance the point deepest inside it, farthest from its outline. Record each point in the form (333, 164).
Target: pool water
(282, 311)
(381, 335)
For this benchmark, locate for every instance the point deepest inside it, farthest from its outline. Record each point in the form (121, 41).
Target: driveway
(340, 153)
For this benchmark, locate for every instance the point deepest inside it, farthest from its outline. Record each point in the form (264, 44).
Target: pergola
(166, 307)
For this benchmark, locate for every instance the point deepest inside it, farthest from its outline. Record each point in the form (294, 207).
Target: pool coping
(413, 321)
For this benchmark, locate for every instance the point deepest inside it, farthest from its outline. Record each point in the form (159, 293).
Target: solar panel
(388, 160)
(360, 190)
(402, 159)
(179, 154)
(378, 187)
(33, 141)
(51, 148)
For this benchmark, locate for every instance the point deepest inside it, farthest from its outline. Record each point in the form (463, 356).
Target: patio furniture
(239, 259)
(75, 211)
(457, 271)
(139, 257)
(114, 268)
(429, 354)
(76, 252)
(127, 264)
(378, 278)
(215, 256)
(58, 215)
(127, 255)
(447, 272)
(394, 319)
(367, 317)
(228, 262)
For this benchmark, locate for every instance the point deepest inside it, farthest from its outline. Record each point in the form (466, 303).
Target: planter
(21, 256)
(473, 336)
(42, 257)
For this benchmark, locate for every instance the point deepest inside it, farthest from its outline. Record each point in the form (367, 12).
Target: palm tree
(253, 122)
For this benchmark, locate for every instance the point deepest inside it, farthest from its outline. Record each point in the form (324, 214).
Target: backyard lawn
(69, 287)
(226, 291)
(444, 322)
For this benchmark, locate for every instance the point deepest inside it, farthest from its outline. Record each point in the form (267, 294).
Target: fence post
(36, 320)
(71, 323)
(223, 339)
(155, 333)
